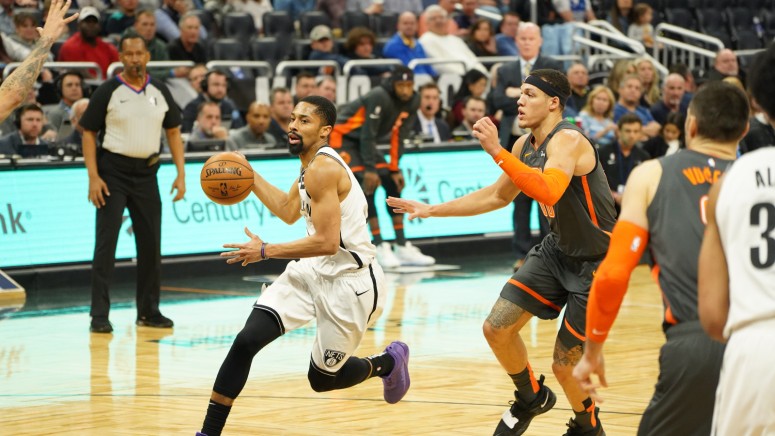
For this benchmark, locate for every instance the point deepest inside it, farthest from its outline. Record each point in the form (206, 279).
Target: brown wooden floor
(56, 378)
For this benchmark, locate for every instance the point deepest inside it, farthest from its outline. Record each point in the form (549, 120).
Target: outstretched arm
(284, 205)
(713, 275)
(19, 83)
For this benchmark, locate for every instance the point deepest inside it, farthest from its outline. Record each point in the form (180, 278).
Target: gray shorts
(550, 280)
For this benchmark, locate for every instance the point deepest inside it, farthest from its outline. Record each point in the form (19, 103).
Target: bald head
(407, 25)
(529, 40)
(673, 91)
(726, 62)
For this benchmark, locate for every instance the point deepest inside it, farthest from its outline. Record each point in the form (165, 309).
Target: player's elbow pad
(613, 282)
(546, 187)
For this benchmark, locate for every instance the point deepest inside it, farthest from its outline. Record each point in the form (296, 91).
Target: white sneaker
(411, 255)
(386, 257)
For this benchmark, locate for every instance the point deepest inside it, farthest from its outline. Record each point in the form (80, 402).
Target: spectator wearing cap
(86, 45)
(404, 45)
(322, 45)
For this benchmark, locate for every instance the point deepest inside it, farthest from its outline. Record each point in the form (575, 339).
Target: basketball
(226, 178)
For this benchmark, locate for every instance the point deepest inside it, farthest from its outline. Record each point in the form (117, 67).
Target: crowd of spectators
(345, 30)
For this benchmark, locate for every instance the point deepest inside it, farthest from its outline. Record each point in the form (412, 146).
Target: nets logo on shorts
(332, 357)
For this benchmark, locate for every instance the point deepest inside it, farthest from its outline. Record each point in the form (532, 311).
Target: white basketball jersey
(355, 247)
(745, 213)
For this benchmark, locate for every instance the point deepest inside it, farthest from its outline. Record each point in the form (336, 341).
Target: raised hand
(415, 209)
(487, 134)
(56, 23)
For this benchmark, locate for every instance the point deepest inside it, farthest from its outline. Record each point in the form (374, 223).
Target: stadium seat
(239, 25)
(301, 49)
(351, 19)
(746, 39)
(309, 19)
(228, 49)
(740, 17)
(277, 23)
(710, 20)
(269, 49)
(384, 25)
(681, 17)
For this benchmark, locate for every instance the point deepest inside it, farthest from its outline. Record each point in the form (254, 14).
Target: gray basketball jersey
(583, 218)
(676, 224)
(355, 247)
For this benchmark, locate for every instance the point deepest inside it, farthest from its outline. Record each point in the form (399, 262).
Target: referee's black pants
(132, 185)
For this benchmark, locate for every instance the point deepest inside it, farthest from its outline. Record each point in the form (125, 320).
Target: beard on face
(295, 149)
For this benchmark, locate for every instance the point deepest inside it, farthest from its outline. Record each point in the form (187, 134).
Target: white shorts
(745, 402)
(344, 307)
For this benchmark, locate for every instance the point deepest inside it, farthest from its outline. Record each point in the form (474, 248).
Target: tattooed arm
(19, 83)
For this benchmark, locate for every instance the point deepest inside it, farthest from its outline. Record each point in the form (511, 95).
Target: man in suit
(505, 96)
(429, 124)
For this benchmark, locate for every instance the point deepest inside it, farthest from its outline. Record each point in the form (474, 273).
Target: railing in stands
(600, 50)
(349, 65)
(86, 66)
(667, 48)
(288, 65)
(118, 66)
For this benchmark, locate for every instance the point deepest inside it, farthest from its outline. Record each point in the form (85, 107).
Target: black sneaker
(157, 321)
(574, 429)
(514, 421)
(100, 326)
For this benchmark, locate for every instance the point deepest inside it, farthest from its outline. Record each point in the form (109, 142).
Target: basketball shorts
(689, 365)
(344, 306)
(549, 280)
(744, 400)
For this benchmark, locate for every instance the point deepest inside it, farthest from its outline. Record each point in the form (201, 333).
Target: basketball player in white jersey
(337, 282)
(737, 278)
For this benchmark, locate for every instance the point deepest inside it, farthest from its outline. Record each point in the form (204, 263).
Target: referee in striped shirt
(128, 112)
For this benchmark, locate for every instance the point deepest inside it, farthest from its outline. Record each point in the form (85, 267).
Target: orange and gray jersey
(676, 218)
(584, 216)
(363, 122)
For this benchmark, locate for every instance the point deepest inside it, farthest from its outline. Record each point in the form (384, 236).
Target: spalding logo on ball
(226, 178)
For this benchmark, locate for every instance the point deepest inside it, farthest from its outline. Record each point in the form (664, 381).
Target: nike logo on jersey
(358, 294)
(374, 116)
(527, 154)
(123, 101)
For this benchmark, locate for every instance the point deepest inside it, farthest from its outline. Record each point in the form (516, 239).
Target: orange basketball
(226, 178)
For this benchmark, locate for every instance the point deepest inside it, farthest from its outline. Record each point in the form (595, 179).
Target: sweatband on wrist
(263, 252)
(546, 187)
(628, 242)
(546, 87)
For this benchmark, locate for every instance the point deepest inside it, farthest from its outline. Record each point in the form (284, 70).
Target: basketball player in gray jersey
(736, 276)
(336, 281)
(664, 207)
(559, 167)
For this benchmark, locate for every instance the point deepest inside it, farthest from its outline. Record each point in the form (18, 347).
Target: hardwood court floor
(57, 378)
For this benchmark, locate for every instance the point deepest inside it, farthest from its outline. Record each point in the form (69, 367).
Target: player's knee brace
(319, 380)
(260, 329)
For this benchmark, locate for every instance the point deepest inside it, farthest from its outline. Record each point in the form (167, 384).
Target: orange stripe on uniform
(352, 123)
(574, 332)
(590, 205)
(535, 295)
(669, 317)
(533, 381)
(394, 139)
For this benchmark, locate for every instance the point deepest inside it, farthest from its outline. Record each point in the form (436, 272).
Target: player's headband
(546, 87)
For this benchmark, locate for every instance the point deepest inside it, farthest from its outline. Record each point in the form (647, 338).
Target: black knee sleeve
(319, 380)
(260, 329)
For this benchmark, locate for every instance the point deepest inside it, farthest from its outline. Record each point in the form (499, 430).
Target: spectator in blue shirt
(404, 45)
(506, 40)
(630, 92)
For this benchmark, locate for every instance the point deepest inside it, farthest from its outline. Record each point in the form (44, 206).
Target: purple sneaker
(200, 434)
(396, 384)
